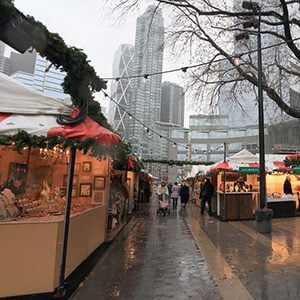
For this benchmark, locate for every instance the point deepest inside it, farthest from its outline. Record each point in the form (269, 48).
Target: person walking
(162, 191)
(174, 194)
(184, 194)
(206, 193)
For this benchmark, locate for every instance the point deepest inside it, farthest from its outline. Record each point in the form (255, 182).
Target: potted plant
(263, 217)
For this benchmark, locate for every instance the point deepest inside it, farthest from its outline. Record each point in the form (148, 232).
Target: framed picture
(99, 182)
(86, 166)
(85, 190)
(75, 180)
(98, 197)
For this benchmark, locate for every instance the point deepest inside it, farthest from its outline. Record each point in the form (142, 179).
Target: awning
(221, 166)
(18, 98)
(46, 125)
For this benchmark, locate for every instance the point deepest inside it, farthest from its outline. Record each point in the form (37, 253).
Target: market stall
(238, 186)
(53, 197)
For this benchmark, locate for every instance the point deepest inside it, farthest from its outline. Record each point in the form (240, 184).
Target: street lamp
(261, 134)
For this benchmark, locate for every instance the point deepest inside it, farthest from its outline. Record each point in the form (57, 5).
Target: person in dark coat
(287, 187)
(206, 193)
(184, 194)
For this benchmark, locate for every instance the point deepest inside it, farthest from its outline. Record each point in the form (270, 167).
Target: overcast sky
(85, 24)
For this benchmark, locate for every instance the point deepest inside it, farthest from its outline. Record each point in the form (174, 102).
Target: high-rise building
(120, 90)
(33, 70)
(23, 62)
(4, 61)
(172, 103)
(2, 48)
(146, 90)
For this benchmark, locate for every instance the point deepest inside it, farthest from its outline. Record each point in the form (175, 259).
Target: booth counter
(283, 206)
(32, 250)
(234, 206)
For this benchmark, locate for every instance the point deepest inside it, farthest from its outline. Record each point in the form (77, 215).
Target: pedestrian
(287, 187)
(162, 191)
(206, 193)
(184, 194)
(174, 194)
(170, 185)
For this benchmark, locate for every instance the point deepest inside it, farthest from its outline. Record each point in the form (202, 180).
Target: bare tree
(205, 29)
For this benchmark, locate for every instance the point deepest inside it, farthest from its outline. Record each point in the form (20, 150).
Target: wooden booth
(237, 187)
(32, 217)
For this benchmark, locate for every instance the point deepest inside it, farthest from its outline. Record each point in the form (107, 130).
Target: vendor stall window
(86, 166)
(99, 182)
(85, 190)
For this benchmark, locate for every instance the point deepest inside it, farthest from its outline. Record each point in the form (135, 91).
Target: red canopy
(281, 166)
(46, 125)
(87, 129)
(222, 166)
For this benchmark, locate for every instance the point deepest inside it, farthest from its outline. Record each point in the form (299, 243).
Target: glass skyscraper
(146, 91)
(120, 90)
(172, 103)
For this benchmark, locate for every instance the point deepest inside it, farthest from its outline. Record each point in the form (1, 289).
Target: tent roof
(244, 156)
(18, 98)
(22, 108)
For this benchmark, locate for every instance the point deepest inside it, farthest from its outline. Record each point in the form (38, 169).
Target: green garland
(80, 83)
(177, 162)
(81, 80)
(23, 139)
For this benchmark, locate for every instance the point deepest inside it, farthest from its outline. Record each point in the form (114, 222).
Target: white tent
(20, 99)
(244, 156)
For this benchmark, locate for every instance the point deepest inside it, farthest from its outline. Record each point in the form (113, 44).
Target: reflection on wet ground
(188, 256)
(154, 258)
(268, 266)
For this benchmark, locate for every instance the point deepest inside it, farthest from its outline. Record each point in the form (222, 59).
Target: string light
(139, 121)
(184, 69)
(145, 78)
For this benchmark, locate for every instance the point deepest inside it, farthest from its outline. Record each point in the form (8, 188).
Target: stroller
(163, 207)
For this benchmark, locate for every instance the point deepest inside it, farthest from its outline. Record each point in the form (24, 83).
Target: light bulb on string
(174, 145)
(183, 73)
(237, 60)
(145, 78)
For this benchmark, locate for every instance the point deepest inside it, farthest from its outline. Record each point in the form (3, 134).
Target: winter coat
(184, 194)
(207, 190)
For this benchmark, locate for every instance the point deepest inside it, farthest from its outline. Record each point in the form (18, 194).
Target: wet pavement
(187, 256)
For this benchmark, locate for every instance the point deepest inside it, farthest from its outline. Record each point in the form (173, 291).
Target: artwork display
(85, 190)
(98, 197)
(99, 182)
(86, 166)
